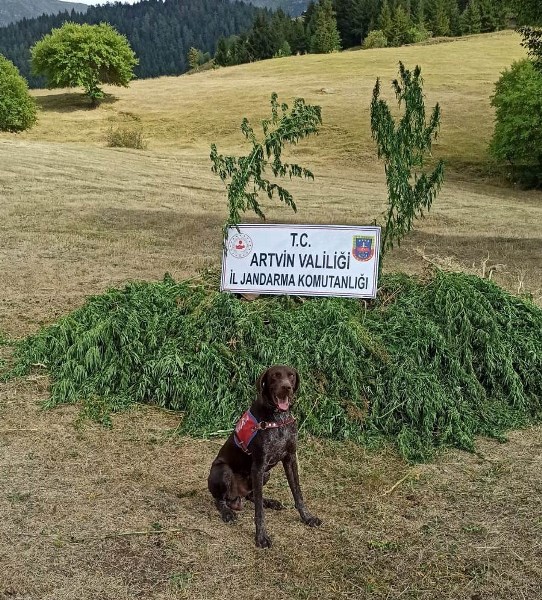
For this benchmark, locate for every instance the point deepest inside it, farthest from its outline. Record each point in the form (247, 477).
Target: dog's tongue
(283, 403)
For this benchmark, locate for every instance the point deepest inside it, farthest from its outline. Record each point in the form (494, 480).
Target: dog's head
(277, 386)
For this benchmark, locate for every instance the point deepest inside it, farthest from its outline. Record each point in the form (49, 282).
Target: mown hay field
(124, 513)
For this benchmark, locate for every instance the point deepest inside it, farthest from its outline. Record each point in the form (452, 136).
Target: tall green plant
(246, 174)
(404, 147)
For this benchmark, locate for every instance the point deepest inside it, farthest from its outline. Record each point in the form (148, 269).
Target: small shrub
(123, 137)
(375, 39)
(518, 122)
(206, 66)
(195, 58)
(17, 107)
(198, 59)
(418, 34)
(284, 50)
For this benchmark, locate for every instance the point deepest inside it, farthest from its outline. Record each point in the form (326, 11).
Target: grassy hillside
(190, 112)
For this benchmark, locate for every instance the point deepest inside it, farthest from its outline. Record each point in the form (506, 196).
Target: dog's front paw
(312, 521)
(263, 540)
(228, 515)
(273, 504)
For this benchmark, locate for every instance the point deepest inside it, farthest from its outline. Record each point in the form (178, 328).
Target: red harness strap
(248, 426)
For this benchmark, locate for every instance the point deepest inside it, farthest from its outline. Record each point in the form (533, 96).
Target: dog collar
(248, 426)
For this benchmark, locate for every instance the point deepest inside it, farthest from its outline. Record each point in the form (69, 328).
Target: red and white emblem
(240, 245)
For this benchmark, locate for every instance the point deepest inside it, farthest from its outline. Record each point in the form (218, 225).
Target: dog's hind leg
(220, 485)
(268, 503)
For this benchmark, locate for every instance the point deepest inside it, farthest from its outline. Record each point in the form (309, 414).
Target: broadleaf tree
(17, 107)
(518, 122)
(532, 42)
(84, 56)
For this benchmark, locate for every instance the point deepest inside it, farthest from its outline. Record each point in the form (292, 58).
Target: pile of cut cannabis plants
(431, 363)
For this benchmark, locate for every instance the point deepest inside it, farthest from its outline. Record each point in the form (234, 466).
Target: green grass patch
(431, 363)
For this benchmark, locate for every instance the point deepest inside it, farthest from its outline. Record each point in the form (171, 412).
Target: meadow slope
(91, 513)
(192, 111)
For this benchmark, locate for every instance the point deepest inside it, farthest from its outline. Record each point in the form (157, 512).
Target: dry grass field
(90, 513)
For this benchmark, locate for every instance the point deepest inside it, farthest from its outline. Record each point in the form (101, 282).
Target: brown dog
(264, 436)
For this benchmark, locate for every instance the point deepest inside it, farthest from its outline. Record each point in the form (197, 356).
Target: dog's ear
(261, 383)
(296, 384)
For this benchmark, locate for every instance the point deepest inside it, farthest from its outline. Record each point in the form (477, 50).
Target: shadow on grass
(70, 102)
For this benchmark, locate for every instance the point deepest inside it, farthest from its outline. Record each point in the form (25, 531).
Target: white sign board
(303, 260)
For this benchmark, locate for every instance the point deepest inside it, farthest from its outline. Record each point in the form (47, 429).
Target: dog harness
(248, 426)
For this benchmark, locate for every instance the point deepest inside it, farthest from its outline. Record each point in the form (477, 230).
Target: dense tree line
(15, 10)
(277, 34)
(527, 12)
(160, 31)
(295, 8)
(329, 25)
(407, 21)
